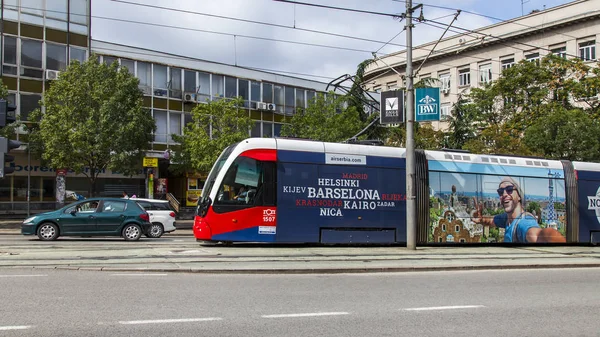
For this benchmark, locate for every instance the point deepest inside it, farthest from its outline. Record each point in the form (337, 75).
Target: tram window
(241, 182)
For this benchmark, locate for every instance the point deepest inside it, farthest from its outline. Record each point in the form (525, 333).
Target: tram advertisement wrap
(330, 196)
(473, 208)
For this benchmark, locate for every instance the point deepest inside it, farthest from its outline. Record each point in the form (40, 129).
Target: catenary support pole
(411, 205)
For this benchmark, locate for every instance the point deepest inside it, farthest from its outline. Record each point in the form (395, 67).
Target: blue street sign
(427, 104)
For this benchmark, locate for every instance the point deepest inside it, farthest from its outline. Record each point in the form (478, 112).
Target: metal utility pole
(411, 202)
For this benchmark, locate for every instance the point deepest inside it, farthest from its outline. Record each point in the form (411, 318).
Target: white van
(162, 216)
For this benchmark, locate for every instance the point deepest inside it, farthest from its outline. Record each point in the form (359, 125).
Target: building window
(279, 97)
(78, 54)
(485, 73)
(160, 117)
(79, 11)
(174, 125)
(109, 60)
(310, 97)
(255, 131)
(56, 57)
(290, 100)
(129, 65)
(464, 77)
(560, 51)
(189, 81)
(144, 74)
(10, 56)
(445, 111)
(159, 80)
(300, 99)
(218, 86)
(244, 91)
(267, 94)
(175, 83)
(203, 87)
(267, 129)
(230, 87)
(445, 82)
(457, 228)
(31, 57)
(255, 92)
(277, 129)
(507, 63)
(29, 102)
(534, 57)
(587, 50)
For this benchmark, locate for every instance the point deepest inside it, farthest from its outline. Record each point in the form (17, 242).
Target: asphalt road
(475, 303)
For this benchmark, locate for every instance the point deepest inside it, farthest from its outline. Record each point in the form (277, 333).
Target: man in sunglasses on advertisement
(520, 226)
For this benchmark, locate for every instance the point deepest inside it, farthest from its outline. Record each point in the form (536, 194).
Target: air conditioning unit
(52, 75)
(271, 107)
(261, 106)
(189, 97)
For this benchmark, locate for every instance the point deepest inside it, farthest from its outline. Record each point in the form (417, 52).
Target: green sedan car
(91, 217)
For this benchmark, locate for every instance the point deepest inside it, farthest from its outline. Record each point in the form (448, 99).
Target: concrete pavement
(179, 252)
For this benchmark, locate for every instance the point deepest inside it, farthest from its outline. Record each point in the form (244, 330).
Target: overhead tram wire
(501, 40)
(339, 8)
(253, 22)
(181, 57)
(489, 17)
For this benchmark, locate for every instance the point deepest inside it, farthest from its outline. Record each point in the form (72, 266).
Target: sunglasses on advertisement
(509, 189)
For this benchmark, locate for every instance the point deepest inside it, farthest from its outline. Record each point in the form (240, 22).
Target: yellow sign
(150, 162)
(192, 197)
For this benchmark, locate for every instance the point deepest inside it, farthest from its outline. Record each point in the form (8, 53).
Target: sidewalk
(184, 254)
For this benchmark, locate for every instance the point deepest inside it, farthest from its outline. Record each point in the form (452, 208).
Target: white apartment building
(469, 60)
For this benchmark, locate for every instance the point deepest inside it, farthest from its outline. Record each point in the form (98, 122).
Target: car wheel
(155, 231)
(132, 232)
(47, 231)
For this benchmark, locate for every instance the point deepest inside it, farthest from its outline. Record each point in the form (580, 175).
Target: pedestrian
(125, 196)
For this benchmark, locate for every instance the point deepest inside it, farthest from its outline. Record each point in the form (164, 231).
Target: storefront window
(48, 189)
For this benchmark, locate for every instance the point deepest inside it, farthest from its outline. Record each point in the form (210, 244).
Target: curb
(313, 271)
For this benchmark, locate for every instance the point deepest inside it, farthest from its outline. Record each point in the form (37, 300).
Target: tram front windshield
(214, 172)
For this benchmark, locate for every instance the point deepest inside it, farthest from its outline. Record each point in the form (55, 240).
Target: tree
(94, 120)
(565, 134)
(461, 122)
(215, 125)
(327, 119)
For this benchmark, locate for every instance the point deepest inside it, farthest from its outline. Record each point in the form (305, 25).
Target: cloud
(246, 51)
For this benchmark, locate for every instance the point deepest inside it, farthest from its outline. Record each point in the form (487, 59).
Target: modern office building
(40, 38)
(471, 59)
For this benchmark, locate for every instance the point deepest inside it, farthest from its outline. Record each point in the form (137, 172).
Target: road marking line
(16, 327)
(138, 274)
(451, 307)
(23, 275)
(176, 320)
(310, 314)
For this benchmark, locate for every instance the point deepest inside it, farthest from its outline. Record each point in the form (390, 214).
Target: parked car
(162, 216)
(91, 217)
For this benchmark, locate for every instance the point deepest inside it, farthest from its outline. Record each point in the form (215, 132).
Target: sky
(235, 42)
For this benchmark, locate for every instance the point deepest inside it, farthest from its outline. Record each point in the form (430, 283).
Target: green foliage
(215, 125)
(565, 134)
(327, 119)
(93, 120)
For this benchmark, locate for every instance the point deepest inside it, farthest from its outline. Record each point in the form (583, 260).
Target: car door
(80, 219)
(110, 217)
